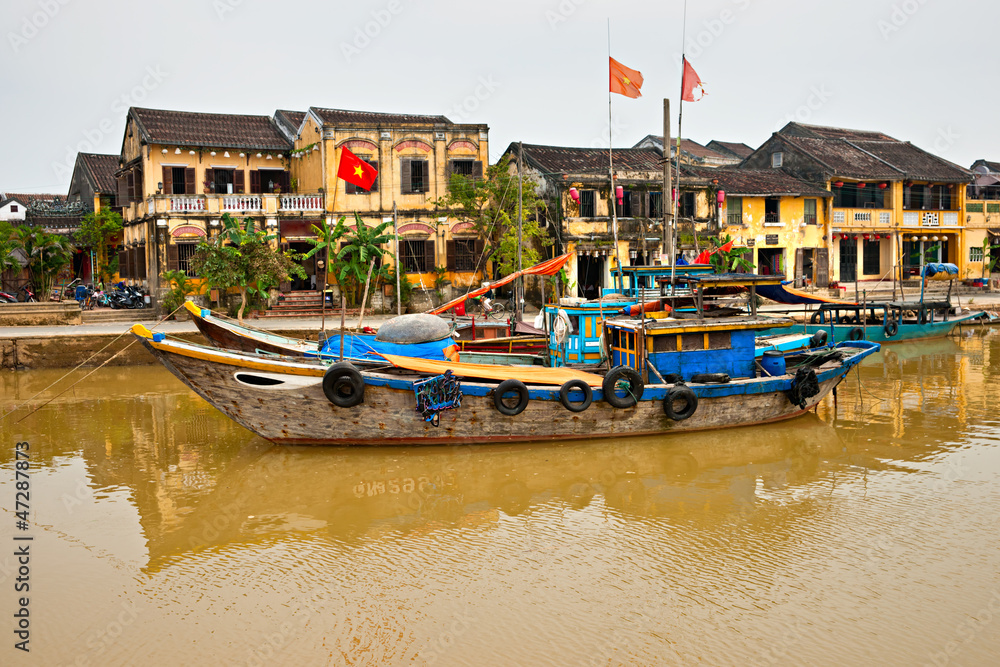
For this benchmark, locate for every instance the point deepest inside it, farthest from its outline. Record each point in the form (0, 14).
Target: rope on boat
(76, 368)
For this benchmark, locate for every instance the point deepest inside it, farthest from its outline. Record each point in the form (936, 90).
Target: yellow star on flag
(358, 171)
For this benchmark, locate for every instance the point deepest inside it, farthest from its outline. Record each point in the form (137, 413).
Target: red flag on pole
(356, 171)
(625, 81)
(691, 81)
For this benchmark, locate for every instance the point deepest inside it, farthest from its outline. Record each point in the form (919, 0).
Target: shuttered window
(415, 176)
(418, 256)
(463, 254)
(587, 203)
(185, 251)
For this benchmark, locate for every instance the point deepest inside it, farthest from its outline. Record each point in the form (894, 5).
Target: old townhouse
(893, 205)
(575, 184)
(93, 182)
(180, 171)
(780, 218)
(13, 208)
(982, 219)
(415, 156)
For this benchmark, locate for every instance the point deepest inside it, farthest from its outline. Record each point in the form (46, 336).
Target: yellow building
(982, 219)
(180, 172)
(415, 156)
(781, 219)
(894, 208)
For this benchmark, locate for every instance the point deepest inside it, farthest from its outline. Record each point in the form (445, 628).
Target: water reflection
(711, 547)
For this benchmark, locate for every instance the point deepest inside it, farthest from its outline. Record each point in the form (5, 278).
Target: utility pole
(519, 286)
(668, 249)
(399, 259)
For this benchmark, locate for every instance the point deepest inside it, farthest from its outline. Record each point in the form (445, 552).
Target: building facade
(894, 207)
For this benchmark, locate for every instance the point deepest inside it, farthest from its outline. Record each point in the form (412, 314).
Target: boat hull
(296, 411)
(876, 334)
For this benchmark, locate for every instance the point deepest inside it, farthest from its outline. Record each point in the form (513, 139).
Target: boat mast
(519, 285)
(611, 174)
(666, 140)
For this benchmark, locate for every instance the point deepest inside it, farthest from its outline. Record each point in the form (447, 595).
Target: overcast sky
(534, 70)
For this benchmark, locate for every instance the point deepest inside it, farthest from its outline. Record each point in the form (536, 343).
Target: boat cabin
(685, 349)
(641, 282)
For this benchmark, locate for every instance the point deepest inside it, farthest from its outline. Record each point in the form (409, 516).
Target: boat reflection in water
(861, 534)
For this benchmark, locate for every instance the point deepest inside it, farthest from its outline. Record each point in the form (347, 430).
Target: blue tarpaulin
(940, 271)
(365, 347)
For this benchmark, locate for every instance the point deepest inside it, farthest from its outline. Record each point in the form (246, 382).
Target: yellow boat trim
(223, 357)
(526, 374)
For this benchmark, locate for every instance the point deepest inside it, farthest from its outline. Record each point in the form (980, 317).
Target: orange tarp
(526, 374)
(549, 267)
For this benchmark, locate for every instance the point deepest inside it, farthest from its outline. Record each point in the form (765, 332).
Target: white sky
(536, 71)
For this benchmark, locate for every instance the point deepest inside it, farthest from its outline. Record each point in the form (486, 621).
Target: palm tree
(9, 261)
(360, 247)
(325, 239)
(47, 255)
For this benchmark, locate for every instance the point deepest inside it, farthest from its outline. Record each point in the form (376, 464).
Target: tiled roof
(688, 146)
(915, 162)
(763, 182)
(738, 150)
(221, 130)
(844, 159)
(562, 159)
(28, 199)
(289, 121)
(824, 132)
(993, 167)
(343, 116)
(101, 169)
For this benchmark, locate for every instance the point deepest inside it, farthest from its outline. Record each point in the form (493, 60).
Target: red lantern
(720, 197)
(883, 186)
(878, 236)
(867, 237)
(855, 237)
(838, 184)
(861, 186)
(574, 194)
(619, 193)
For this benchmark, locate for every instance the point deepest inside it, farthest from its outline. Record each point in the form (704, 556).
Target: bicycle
(497, 309)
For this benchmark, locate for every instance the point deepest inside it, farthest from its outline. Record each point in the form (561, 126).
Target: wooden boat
(784, 293)
(417, 401)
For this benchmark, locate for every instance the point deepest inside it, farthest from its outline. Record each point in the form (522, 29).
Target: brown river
(164, 534)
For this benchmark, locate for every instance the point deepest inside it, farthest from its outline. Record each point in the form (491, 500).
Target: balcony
(240, 203)
(734, 219)
(930, 218)
(300, 202)
(862, 217)
(185, 204)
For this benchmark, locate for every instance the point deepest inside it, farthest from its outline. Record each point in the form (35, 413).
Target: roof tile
(221, 130)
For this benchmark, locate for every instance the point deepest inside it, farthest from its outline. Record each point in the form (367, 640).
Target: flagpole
(611, 171)
(326, 265)
(677, 187)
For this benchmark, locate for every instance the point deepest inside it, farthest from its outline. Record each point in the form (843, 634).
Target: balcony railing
(930, 218)
(734, 218)
(300, 203)
(186, 203)
(772, 217)
(241, 203)
(862, 217)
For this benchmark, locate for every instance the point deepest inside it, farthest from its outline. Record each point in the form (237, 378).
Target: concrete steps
(297, 304)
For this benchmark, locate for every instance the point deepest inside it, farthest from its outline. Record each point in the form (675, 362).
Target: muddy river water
(164, 534)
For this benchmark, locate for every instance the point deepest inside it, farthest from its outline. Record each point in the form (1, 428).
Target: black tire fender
(857, 333)
(588, 395)
(635, 386)
(685, 394)
(508, 386)
(815, 318)
(343, 385)
(891, 328)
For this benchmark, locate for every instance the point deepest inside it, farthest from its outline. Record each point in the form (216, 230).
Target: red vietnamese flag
(356, 171)
(690, 81)
(625, 81)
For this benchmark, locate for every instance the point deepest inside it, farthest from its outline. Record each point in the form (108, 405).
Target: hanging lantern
(923, 238)
(164, 151)
(177, 151)
(878, 236)
(866, 237)
(720, 197)
(619, 193)
(574, 194)
(212, 153)
(883, 186)
(838, 184)
(855, 237)
(914, 238)
(934, 238)
(861, 186)
(673, 193)
(226, 154)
